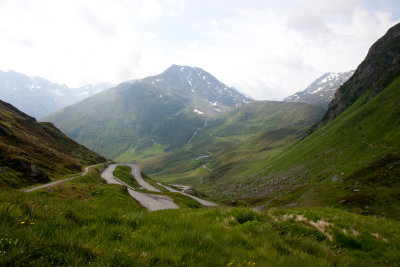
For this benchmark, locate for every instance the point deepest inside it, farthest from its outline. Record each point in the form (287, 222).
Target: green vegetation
(123, 173)
(27, 148)
(86, 221)
(130, 118)
(243, 138)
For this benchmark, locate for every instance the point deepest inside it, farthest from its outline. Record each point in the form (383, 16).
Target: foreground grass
(85, 221)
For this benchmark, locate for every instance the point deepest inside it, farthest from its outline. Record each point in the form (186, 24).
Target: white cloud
(268, 49)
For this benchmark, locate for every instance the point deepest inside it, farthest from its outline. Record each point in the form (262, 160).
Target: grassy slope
(129, 117)
(238, 141)
(359, 150)
(23, 140)
(85, 221)
(123, 173)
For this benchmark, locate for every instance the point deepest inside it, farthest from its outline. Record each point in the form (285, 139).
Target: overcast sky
(266, 49)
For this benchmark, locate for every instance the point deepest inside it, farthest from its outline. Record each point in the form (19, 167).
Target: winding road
(201, 201)
(151, 201)
(60, 181)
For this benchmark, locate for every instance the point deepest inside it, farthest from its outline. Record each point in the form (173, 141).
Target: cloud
(96, 23)
(26, 42)
(267, 49)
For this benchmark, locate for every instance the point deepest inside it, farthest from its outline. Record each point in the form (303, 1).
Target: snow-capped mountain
(39, 97)
(322, 90)
(193, 83)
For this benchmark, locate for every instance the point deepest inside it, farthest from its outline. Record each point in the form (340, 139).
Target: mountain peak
(191, 82)
(321, 91)
(379, 68)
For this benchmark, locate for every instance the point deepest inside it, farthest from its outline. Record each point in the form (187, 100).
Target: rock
(37, 175)
(183, 188)
(335, 178)
(6, 131)
(2, 170)
(356, 190)
(343, 201)
(31, 171)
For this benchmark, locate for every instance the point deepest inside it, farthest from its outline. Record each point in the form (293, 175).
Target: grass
(85, 221)
(123, 172)
(245, 136)
(25, 142)
(355, 145)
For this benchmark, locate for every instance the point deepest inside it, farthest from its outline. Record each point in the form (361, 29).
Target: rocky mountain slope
(352, 160)
(322, 90)
(191, 83)
(32, 152)
(158, 112)
(40, 97)
(380, 67)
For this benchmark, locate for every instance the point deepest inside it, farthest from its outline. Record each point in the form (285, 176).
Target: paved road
(60, 181)
(150, 201)
(201, 201)
(138, 176)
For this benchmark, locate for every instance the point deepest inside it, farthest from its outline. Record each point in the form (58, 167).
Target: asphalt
(60, 181)
(201, 201)
(150, 201)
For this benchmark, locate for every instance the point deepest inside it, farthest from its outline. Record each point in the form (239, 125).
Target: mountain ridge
(32, 152)
(157, 111)
(322, 90)
(38, 96)
(380, 66)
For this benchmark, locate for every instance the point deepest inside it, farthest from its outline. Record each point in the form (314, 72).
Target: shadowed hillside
(32, 152)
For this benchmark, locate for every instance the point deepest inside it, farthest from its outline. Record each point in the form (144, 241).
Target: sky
(266, 49)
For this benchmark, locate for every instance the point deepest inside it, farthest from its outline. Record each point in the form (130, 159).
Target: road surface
(201, 201)
(60, 181)
(150, 201)
(138, 176)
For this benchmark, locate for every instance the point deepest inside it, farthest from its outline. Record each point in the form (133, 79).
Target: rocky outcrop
(379, 68)
(31, 172)
(37, 175)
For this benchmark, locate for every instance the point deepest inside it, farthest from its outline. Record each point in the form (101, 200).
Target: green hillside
(87, 222)
(237, 141)
(351, 161)
(32, 152)
(147, 116)
(130, 116)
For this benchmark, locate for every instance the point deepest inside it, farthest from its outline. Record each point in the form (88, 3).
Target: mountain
(322, 90)
(191, 83)
(152, 114)
(238, 140)
(40, 97)
(351, 161)
(380, 67)
(32, 152)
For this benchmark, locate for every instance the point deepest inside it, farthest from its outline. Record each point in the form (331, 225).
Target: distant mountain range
(322, 90)
(158, 111)
(39, 97)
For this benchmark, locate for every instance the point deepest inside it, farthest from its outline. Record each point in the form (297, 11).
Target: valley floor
(86, 221)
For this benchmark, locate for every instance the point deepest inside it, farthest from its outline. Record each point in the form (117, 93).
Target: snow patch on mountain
(198, 111)
(322, 90)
